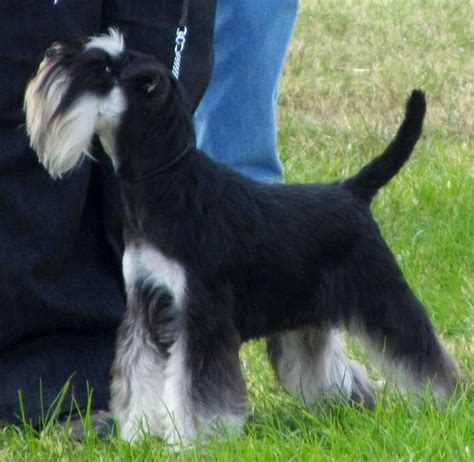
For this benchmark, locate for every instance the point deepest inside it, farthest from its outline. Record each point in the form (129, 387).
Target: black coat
(61, 296)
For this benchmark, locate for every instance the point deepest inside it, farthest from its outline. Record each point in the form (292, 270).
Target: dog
(213, 259)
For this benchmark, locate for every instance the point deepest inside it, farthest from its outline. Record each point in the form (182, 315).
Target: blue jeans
(236, 119)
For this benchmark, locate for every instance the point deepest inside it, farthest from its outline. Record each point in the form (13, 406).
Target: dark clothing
(61, 296)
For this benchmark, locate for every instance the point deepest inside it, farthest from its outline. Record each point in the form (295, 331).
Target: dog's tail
(365, 184)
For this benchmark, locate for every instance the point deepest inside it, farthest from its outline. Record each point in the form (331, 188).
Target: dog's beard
(61, 136)
(60, 139)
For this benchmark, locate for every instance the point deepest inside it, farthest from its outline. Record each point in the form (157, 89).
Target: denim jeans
(236, 120)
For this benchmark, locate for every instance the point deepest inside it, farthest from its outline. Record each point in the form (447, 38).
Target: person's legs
(60, 299)
(236, 119)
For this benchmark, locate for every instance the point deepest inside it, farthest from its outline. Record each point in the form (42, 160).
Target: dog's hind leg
(399, 329)
(312, 364)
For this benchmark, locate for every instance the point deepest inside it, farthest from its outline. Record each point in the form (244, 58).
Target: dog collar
(156, 171)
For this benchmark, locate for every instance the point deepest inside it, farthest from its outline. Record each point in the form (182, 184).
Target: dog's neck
(164, 169)
(149, 144)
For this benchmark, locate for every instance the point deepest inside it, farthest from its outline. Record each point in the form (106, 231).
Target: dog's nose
(53, 50)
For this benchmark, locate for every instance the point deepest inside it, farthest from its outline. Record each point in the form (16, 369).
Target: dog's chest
(145, 263)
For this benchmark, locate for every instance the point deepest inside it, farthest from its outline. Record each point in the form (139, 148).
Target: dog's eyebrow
(112, 43)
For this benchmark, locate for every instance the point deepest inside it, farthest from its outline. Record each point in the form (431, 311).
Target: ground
(349, 71)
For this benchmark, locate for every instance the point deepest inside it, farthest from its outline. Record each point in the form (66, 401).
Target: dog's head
(86, 87)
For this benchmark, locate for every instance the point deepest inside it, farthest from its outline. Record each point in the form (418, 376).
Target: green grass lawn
(349, 72)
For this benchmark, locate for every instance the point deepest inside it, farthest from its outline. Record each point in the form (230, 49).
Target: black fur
(278, 255)
(268, 258)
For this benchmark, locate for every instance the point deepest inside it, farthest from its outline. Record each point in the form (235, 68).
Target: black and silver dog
(213, 259)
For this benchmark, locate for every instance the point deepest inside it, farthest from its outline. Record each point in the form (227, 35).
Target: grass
(350, 69)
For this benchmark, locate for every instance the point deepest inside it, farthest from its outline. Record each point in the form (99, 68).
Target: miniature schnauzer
(214, 259)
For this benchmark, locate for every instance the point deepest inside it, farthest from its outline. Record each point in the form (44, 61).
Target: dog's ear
(156, 86)
(147, 76)
(153, 83)
(159, 85)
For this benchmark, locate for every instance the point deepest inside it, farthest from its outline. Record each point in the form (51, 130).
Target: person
(61, 294)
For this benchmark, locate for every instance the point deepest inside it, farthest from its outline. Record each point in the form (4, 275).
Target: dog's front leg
(155, 288)
(204, 390)
(138, 377)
